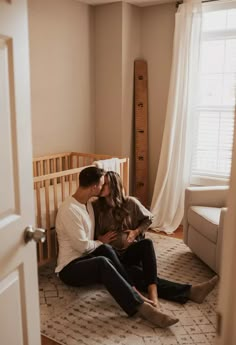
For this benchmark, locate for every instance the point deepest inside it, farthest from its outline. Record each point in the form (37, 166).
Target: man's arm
(80, 237)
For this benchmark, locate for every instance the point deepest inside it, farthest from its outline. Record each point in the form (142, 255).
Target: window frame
(205, 179)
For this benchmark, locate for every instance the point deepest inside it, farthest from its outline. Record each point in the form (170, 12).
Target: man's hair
(90, 176)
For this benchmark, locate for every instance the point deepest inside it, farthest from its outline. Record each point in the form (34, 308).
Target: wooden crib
(55, 178)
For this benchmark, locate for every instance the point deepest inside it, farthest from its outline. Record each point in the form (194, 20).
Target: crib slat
(54, 165)
(39, 218)
(122, 171)
(47, 167)
(66, 166)
(66, 163)
(41, 172)
(60, 164)
(35, 172)
(38, 198)
(47, 204)
(125, 178)
(35, 168)
(55, 198)
(48, 225)
(77, 180)
(70, 184)
(62, 188)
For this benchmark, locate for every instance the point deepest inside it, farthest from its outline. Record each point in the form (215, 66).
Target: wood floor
(177, 234)
(46, 341)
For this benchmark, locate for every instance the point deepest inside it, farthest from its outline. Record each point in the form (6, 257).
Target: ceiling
(141, 3)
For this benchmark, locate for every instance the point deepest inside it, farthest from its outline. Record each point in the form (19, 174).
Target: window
(217, 88)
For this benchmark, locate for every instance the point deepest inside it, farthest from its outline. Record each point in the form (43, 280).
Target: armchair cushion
(205, 220)
(203, 223)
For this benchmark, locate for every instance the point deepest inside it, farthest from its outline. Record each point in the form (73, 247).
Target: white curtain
(175, 160)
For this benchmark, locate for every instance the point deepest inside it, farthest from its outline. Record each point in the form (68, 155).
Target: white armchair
(204, 213)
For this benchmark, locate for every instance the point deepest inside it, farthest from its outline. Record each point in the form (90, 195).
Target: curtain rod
(203, 1)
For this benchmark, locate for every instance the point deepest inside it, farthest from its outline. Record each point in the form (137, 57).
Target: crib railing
(55, 178)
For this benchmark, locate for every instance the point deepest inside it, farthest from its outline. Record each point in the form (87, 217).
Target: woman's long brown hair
(117, 200)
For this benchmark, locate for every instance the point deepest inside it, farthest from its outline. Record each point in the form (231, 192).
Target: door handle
(36, 234)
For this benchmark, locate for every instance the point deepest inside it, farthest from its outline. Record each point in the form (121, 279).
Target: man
(84, 261)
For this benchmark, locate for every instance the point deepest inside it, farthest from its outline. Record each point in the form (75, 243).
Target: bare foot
(147, 300)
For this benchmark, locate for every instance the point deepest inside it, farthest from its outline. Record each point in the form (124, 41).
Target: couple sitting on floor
(103, 242)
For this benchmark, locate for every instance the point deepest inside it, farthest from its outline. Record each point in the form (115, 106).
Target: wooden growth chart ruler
(141, 135)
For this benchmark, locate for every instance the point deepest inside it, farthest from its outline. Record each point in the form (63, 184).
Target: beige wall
(108, 78)
(130, 51)
(61, 43)
(82, 61)
(117, 45)
(146, 33)
(156, 44)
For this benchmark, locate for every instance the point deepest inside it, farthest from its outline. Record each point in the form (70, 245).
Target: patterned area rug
(89, 316)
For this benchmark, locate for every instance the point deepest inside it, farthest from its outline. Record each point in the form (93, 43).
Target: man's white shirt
(75, 231)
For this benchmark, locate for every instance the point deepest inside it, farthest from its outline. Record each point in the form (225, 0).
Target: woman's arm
(141, 219)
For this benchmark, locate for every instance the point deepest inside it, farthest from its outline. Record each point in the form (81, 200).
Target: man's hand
(108, 237)
(132, 234)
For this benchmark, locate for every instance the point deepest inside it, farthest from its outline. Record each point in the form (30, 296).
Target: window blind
(215, 113)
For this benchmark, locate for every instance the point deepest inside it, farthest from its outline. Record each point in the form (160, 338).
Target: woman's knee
(105, 247)
(107, 250)
(103, 261)
(146, 242)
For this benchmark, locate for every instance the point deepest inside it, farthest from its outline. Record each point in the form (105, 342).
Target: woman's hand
(108, 237)
(132, 234)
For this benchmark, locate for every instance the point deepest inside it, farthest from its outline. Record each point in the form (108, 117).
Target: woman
(130, 219)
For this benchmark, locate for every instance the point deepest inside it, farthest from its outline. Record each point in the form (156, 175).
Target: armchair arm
(211, 196)
(222, 218)
(220, 238)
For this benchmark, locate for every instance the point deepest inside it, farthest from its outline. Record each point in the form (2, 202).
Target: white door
(19, 301)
